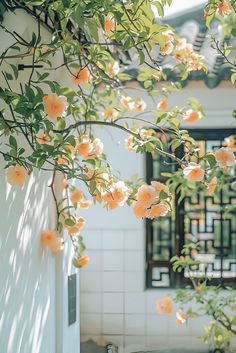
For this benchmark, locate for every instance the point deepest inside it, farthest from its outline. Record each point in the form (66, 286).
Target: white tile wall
(115, 307)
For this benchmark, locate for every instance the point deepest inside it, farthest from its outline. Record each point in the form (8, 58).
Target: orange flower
(97, 148)
(167, 49)
(162, 105)
(85, 147)
(191, 116)
(212, 185)
(193, 172)
(146, 195)
(109, 24)
(165, 306)
(139, 210)
(81, 261)
(85, 204)
(76, 228)
(129, 144)
(140, 106)
(43, 138)
(16, 175)
(62, 161)
(181, 317)
(117, 195)
(82, 75)
(110, 114)
(57, 245)
(225, 157)
(76, 196)
(127, 103)
(160, 187)
(224, 8)
(54, 105)
(159, 210)
(48, 237)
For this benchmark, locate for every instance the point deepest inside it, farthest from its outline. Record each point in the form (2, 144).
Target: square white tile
(95, 261)
(135, 324)
(112, 240)
(90, 324)
(113, 281)
(113, 260)
(92, 239)
(91, 302)
(91, 281)
(113, 303)
(134, 281)
(135, 303)
(113, 324)
(134, 239)
(157, 325)
(134, 260)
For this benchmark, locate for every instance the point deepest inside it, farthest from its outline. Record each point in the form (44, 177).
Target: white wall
(115, 306)
(33, 283)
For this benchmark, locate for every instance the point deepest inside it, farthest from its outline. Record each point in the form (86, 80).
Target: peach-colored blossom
(117, 195)
(16, 175)
(224, 8)
(85, 204)
(146, 195)
(162, 105)
(97, 148)
(212, 185)
(81, 261)
(158, 186)
(159, 210)
(54, 105)
(62, 161)
(165, 305)
(139, 210)
(225, 157)
(84, 148)
(193, 172)
(76, 195)
(48, 237)
(110, 114)
(127, 103)
(113, 69)
(181, 317)
(180, 43)
(57, 245)
(144, 134)
(191, 116)
(109, 24)
(76, 228)
(167, 48)
(43, 138)
(129, 144)
(140, 106)
(82, 75)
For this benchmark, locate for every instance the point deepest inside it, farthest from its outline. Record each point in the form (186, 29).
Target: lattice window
(198, 218)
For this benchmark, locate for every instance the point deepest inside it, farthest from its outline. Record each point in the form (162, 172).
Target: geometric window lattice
(198, 218)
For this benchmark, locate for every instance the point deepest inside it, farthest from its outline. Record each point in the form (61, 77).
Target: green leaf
(12, 142)
(211, 159)
(69, 222)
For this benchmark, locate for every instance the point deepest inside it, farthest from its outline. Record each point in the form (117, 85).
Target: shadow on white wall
(27, 273)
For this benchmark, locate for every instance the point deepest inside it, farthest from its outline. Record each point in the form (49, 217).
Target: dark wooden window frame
(177, 280)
